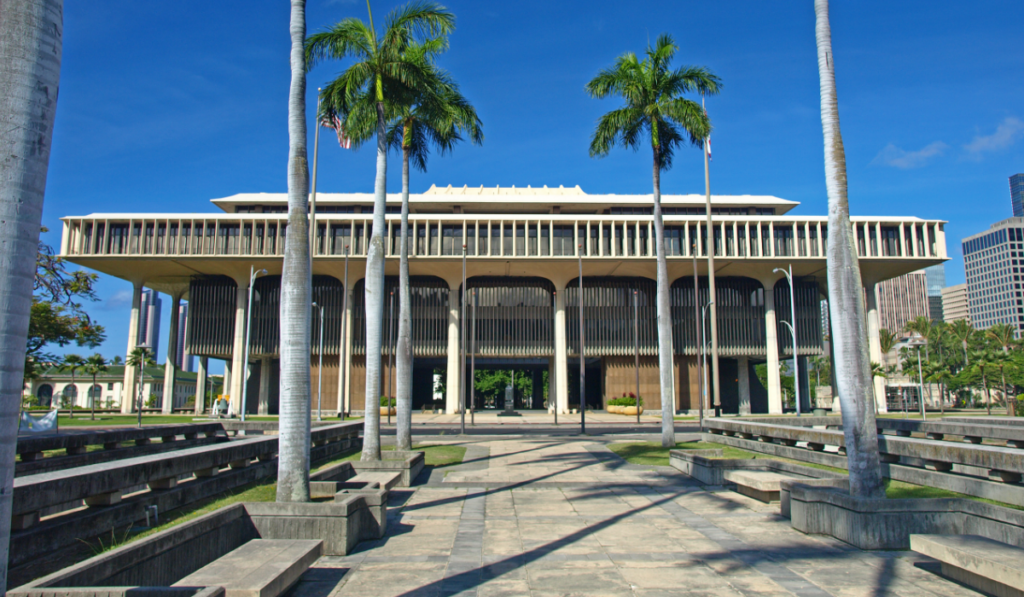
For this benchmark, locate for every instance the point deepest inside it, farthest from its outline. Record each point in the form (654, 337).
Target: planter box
(409, 464)
(709, 470)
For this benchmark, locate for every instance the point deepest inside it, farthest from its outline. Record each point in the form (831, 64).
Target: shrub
(387, 402)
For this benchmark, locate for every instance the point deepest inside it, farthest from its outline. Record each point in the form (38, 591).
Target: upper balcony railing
(554, 236)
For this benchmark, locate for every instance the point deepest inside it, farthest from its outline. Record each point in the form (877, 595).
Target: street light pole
(472, 365)
(391, 350)
(343, 359)
(144, 353)
(462, 348)
(312, 200)
(700, 337)
(636, 348)
(792, 331)
(583, 370)
(918, 341)
(704, 353)
(248, 330)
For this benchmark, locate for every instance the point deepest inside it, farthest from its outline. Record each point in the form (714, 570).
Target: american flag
(335, 123)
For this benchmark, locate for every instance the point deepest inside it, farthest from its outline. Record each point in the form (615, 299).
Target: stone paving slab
(545, 517)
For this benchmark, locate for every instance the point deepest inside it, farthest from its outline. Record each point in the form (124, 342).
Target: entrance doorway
(528, 377)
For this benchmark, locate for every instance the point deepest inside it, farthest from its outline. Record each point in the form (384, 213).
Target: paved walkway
(530, 417)
(547, 517)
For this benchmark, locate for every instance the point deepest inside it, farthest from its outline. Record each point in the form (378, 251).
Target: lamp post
(320, 367)
(583, 370)
(391, 350)
(792, 331)
(343, 359)
(472, 365)
(462, 348)
(704, 356)
(312, 200)
(144, 354)
(918, 341)
(248, 330)
(636, 349)
(700, 335)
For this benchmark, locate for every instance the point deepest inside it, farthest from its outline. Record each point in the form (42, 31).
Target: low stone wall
(60, 463)
(74, 441)
(888, 523)
(166, 557)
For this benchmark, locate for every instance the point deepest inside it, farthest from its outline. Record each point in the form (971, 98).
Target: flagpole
(710, 248)
(312, 201)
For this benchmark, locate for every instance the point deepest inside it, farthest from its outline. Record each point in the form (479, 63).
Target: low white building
(55, 387)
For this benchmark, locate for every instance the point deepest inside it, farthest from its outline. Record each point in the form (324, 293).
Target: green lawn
(82, 419)
(436, 456)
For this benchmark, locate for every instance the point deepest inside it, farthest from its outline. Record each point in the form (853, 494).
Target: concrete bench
(978, 562)
(385, 480)
(260, 568)
(760, 485)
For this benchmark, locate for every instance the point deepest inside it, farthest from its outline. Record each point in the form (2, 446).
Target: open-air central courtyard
(545, 516)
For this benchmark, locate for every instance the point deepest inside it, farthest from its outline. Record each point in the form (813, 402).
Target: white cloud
(119, 300)
(901, 158)
(1007, 133)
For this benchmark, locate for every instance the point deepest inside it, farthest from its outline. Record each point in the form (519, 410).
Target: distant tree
(141, 357)
(655, 112)
(72, 364)
(1005, 337)
(95, 365)
(962, 330)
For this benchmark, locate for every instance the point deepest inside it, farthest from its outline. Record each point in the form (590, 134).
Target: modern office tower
(184, 360)
(993, 261)
(1017, 194)
(954, 303)
(901, 300)
(936, 282)
(523, 248)
(149, 320)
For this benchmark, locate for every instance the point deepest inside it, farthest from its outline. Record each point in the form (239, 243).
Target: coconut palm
(845, 288)
(984, 359)
(296, 287)
(435, 117)
(962, 331)
(923, 326)
(886, 341)
(382, 68)
(72, 364)
(655, 106)
(1005, 336)
(95, 365)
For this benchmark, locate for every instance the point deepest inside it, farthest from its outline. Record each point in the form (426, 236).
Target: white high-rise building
(993, 261)
(149, 319)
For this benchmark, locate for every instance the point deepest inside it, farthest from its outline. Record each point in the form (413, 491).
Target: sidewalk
(528, 417)
(547, 517)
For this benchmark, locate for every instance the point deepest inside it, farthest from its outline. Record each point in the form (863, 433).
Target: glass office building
(1017, 194)
(993, 261)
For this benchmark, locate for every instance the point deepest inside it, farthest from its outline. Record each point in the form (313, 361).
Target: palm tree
(962, 331)
(72, 364)
(985, 358)
(654, 105)
(924, 327)
(846, 290)
(95, 365)
(382, 69)
(1004, 335)
(435, 117)
(296, 287)
(142, 358)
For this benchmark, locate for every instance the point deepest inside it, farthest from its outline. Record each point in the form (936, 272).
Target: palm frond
(347, 38)
(622, 126)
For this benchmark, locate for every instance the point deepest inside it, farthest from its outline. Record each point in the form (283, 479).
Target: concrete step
(260, 568)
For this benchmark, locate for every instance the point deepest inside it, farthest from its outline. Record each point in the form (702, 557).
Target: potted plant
(387, 406)
(633, 405)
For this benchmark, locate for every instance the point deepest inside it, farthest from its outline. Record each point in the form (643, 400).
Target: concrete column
(238, 347)
(201, 385)
(264, 407)
(227, 378)
(170, 365)
(561, 355)
(538, 389)
(453, 379)
(875, 345)
(128, 391)
(772, 351)
(743, 369)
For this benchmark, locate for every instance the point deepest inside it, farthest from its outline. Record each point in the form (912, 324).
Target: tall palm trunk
(296, 288)
(403, 349)
(668, 434)
(92, 399)
(846, 291)
(30, 54)
(988, 395)
(375, 293)
(1006, 396)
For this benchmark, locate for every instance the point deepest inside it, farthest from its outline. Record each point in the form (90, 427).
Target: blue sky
(165, 105)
